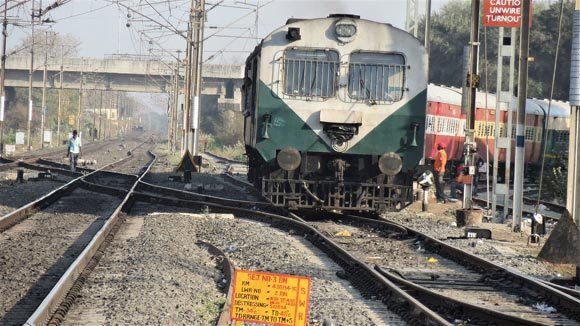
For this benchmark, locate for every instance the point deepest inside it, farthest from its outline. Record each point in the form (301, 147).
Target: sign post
(270, 298)
(510, 14)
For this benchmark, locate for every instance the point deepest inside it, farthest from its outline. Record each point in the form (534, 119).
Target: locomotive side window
(376, 76)
(310, 73)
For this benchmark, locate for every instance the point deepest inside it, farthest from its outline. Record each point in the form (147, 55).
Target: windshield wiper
(368, 92)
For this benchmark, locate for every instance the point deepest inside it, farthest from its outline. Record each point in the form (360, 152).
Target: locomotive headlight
(289, 159)
(390, 163)
(345, 30)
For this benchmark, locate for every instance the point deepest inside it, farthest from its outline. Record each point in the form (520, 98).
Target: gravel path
(35, 252)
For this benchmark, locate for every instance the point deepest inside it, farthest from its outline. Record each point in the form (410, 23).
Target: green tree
(450, 32)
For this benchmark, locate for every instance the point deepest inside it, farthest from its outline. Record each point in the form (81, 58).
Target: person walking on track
(74, 150)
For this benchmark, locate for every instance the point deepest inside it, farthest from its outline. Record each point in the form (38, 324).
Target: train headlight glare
(345, 30)
(289, 159)
(390, 163)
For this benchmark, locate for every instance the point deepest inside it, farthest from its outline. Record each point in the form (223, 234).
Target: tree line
(450, 32)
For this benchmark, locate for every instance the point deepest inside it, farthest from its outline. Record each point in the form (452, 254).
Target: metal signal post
(521, 116)
(472, 82)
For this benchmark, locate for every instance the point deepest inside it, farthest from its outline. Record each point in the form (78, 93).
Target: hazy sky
(101, 25)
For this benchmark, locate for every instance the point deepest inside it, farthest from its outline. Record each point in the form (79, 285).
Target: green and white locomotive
(334, 114)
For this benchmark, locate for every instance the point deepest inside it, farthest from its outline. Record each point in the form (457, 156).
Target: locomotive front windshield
(376, 76)
(310, 72)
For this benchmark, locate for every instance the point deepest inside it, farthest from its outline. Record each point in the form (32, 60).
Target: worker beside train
(439, 168)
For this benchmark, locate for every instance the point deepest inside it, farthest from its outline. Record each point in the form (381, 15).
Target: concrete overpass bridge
(146, 76)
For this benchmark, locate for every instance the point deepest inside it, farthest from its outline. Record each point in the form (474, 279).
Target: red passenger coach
(446, 124)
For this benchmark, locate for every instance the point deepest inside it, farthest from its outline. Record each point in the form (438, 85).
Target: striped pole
(521, 118)
(573, 193)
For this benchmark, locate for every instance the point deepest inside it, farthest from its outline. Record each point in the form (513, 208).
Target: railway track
(457, 284)
(362, 276)
(380, 288)
(69, 228)
(443, 277)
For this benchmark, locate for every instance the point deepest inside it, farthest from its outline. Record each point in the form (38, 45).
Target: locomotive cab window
(310, 73)
(376, 77)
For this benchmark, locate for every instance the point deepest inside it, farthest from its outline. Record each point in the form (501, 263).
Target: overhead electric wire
(167, 21)
(225, 47)
(85, 13)
(237, 20)
(14, 6)
(547, 123)
(151, 19)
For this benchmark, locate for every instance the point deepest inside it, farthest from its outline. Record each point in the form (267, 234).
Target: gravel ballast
(35, 252)
(156, 274)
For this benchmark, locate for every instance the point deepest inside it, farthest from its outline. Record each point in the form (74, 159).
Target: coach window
(376, 76)
(310, 73)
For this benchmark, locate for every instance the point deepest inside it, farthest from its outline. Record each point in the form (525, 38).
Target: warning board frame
(270, 298)
(502, 13)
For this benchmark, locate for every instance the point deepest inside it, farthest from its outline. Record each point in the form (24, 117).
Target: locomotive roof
(452, 95)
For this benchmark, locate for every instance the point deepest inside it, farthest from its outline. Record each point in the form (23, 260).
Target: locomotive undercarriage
(331, 182)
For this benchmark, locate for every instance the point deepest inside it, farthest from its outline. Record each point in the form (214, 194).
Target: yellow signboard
(270, 298)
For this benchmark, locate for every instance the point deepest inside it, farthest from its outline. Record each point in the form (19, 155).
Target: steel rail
(225, 159)
(227, 268)
(447, 303)
(566, 303)
(25, 211)
(437, 302)
(49, 306)
(362, 276)
(404, 230)
(570, 291)
(187, 195)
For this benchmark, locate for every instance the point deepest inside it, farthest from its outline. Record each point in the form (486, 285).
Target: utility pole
(521, 117)
(94, 119)
(100, 116)
(44, 90)
(60, 95)
(573, 193)
(428, 25)
(200, 22)
(79, 113)
(175, 108)
(473, 82)
(188, 82)
(31, 72)
(194, 104)
(3, 76)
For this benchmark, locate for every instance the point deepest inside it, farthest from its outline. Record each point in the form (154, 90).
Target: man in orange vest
(439, 167)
